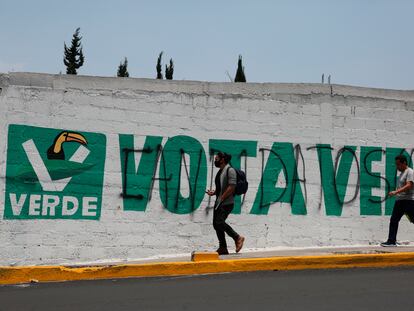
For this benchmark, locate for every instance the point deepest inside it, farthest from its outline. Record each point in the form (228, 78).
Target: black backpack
(241, 184)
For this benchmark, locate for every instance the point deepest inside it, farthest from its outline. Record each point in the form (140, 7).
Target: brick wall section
(305, 114)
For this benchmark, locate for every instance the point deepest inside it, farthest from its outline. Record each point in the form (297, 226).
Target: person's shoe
(222, 251)
(388, 244)
(239, 243)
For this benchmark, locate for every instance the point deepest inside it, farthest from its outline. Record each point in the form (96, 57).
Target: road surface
(350, 289)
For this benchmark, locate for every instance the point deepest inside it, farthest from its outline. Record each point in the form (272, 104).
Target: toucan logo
(54, 173)
(58, 166)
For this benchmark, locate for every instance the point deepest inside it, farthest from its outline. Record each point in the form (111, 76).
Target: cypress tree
(123, 69)
(240, 77)
(74, 58)
(159, 68)
(169, 70)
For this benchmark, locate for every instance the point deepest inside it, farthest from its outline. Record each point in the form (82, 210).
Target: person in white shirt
(404, 199)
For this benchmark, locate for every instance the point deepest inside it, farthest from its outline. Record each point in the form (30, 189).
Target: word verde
(282, 158)
(54, 174)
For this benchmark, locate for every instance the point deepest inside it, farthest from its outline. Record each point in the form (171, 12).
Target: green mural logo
(54, 174)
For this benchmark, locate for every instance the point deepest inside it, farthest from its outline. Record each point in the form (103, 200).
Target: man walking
(225, 182)
(404, 199)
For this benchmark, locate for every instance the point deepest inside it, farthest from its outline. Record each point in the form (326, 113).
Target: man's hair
(225, 156)
(402, 158)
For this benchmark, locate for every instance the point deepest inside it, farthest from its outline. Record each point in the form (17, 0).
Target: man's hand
(407, 186)
(211, 192)
(392, 193)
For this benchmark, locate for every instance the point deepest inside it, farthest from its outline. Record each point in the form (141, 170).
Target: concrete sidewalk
(281, 252)
(210, 263)
(319, 251)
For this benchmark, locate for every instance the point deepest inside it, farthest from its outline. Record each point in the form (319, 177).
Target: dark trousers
(219, 223)
(401, 207)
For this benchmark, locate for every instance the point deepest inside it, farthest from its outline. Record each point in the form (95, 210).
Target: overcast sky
(358, 42)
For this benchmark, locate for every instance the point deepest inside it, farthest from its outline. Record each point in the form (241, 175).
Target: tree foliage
(73, 56)
(159, 67)
(240, 76)
(169, 70)
(123, 69)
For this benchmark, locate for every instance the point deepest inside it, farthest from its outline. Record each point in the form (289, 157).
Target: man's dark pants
(219, 223)
(401, 207)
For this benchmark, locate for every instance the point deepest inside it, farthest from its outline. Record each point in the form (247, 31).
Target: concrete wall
(285, 129)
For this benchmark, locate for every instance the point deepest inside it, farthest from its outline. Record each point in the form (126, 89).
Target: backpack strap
(227, 175)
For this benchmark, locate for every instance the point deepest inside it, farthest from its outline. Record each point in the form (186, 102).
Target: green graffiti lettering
(281, 159)
(137, 183)
(369, 204)
(334, 186)
(172, 163)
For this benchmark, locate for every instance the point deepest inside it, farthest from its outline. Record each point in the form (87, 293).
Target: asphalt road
(351, 289)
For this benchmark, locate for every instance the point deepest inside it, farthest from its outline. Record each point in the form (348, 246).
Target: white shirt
(403, 178)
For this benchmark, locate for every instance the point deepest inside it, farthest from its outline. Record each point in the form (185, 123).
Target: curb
(26, 274)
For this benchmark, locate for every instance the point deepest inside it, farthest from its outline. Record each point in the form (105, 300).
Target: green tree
(169, 70)
(159, 68)
(240, 77)
(73, 56)
(123, 69)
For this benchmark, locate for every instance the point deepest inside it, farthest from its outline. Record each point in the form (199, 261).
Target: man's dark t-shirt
(218, 183)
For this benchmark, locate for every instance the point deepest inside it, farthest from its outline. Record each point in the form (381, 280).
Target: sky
(358, 42)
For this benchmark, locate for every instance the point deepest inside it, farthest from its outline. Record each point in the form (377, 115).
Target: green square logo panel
(54, 173)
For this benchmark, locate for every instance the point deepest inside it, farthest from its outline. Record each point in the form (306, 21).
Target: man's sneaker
(388, 244)
(239, 243)
(222, 251)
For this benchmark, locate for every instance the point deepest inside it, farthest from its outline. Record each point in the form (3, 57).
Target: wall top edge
(59, 81)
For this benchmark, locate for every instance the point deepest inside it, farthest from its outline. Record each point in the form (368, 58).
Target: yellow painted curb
(15, 275)
(204, 256)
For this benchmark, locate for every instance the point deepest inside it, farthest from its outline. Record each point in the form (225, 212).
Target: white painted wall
(304, 114)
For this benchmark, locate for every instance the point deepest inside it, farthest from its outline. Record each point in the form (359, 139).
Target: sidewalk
(281, 252)
(204, 263)
(320, 251)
